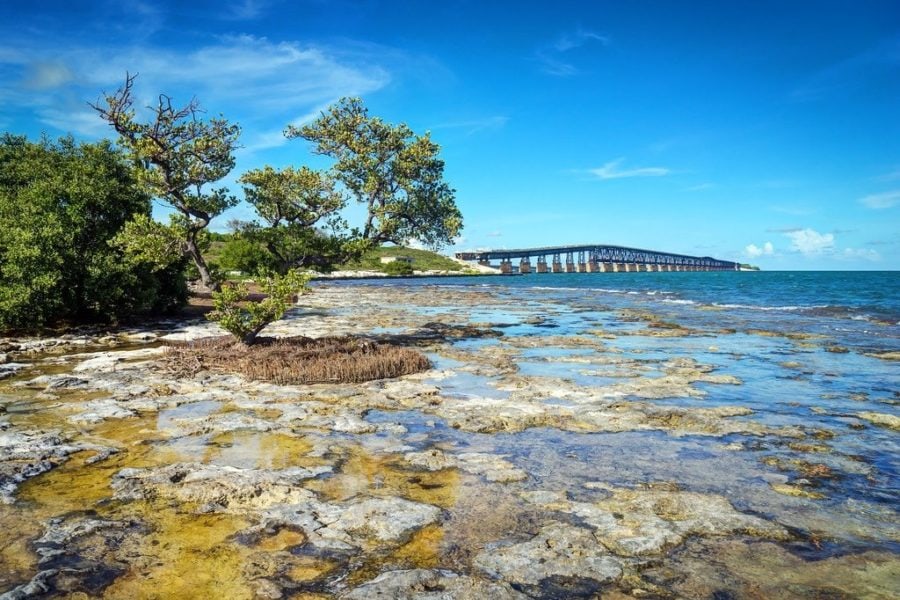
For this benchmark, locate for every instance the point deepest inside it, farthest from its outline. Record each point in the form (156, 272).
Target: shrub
(240, 254)
(61, 204)
(398, 267)
(244, 317)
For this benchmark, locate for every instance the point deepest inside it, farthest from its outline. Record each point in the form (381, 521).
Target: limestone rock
(558, 551)
(424, 584)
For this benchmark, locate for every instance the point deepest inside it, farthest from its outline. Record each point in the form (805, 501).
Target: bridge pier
(582, 267)
(506, 266)
(524, 266)
(557, 265)
(594, 267)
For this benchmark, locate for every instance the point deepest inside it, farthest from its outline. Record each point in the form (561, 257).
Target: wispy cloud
(700, 187)
(472, 126)
(249, 78)
(861, 253)
(850, 73)
(810, 242)
(892, 176)
(47, 75)
(555, 58)
(613, 170)
(495, 234)
(880, 201)
(245, 10)
(754, 251)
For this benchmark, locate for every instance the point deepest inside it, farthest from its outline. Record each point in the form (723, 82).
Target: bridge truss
(597, 258)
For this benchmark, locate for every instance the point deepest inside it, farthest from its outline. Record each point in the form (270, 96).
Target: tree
(396, 174)
(301, 211)
(179, 155)
(61, 203)
(243, 317)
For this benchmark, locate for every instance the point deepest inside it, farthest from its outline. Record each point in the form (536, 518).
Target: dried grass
(296, 360)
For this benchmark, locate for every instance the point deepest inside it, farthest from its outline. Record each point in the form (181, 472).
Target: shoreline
(497, 473)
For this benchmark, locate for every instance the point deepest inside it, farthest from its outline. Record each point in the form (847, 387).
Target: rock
(424, 584)
(8, 369)
(640, 522)
(882, 419)
(490, 466)
(26, 454)
(215, 487)
(361, 523)
(558, 551)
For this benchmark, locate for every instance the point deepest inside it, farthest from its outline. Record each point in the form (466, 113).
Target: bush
(244, 317)
(240, 254)
(398, 267)
(60, 206)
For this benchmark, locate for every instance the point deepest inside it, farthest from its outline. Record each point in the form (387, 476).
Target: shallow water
(799, 361)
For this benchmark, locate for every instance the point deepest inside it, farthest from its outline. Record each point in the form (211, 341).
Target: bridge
(596, 259)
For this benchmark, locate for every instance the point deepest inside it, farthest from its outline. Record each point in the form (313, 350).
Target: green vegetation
(78, 242)
(394, 173)
(61, 204)
(244, 317)
(178, 156)
(422, 260)
(749, 266)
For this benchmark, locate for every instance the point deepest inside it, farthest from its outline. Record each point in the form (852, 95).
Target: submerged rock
(883, 419)
(365, 523)
(490, 466)
(424, 584)
(558, 552)
(215, 487)
(649, 521)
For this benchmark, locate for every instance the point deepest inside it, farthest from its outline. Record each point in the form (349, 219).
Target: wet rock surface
(559, 448)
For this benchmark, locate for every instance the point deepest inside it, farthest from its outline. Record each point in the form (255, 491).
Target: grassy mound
(422, 260)
(296, 360)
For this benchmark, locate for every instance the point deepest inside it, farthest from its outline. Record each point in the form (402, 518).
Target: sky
(761, 131)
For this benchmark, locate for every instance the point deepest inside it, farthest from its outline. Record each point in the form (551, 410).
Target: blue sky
(761, 131)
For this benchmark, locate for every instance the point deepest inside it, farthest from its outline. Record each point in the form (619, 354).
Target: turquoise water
(803, 345)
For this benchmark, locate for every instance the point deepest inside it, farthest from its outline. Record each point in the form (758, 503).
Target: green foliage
(398, 267)
(243, 317)
(422, 260)
(396, 174)
(241, 254)
(61, 204)
(300, 208)
(179, 156)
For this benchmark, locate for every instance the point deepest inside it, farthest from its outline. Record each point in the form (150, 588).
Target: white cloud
(495, 234)
(754, 251)
(475, 125)
(700, 187)
(810, 242)
(861, 253)
(612, 170)
(47, 75)
(551, 56)
(249, 79)
(885, 200)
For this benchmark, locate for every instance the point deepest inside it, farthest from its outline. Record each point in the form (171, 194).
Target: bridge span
(596, 258)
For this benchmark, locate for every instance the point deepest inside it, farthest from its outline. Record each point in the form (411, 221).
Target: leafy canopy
(179, 156)
(395, 173)
(61, 204)
(301, 211)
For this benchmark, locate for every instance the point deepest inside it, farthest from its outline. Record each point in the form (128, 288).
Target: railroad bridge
(595, 259)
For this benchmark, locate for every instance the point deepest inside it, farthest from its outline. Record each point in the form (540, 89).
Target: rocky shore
(524, 464)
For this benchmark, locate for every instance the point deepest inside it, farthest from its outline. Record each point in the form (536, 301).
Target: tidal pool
(565, 444)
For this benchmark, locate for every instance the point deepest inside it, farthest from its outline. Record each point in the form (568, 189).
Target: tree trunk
(206, 277)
